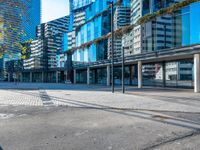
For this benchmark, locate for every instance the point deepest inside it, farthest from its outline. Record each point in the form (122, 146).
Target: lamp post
(123, 88)
(112, 43)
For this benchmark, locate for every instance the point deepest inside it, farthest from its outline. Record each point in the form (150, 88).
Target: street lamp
(112, 42)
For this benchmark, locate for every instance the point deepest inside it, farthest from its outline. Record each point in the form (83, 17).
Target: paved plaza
(182, 100)
(80, 117)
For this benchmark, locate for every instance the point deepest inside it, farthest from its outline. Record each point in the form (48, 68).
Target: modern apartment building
(48, 43)
(121, 19)
(36, 58)
(48, 47)
(78, 18)
(122, 16)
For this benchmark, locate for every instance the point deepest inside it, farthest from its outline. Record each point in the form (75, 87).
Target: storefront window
(180, 73)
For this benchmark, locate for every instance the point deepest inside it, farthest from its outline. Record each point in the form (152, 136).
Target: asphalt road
(69, 128)
(78, 117)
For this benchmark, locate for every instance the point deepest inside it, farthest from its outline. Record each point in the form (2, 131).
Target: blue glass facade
(93, 29)
(22, 20)
(86, 55)
(189, 17)
(89, 31)
(170, 31)
(31, 19)
(65, 42)
(164, 32)
(190, 21)
(77, 4)
(150, 6)
(96, 7)
(126, 3)
(159, 4)
(194, 23)
(185, 26)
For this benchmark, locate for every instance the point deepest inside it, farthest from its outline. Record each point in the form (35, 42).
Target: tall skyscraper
(47, 45)
(18, 21)
(32, 19)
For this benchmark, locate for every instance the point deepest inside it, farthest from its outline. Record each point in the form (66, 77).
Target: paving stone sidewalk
(98, 97)
(14, 97)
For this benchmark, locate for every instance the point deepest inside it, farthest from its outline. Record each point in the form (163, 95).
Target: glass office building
(93, 29)
(170, 31)
(165, 33)
(33, 18)
(19, 25)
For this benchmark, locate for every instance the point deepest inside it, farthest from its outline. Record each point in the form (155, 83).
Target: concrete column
(57, 80)
(108, 75)
(95, 76)
(8, 77)
(21, 77)
(31, 77)
(42, 77)
(88, 76)
(197, 73)
(164, 74)
(131, 75)
(74, 76)
(65, 74)
(139, 74)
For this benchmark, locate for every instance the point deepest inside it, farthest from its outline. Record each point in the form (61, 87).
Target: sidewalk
(99, 97)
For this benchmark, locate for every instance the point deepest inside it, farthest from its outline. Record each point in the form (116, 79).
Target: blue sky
(53, 9)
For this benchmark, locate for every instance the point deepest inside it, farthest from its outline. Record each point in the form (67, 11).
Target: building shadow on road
(157, 116)
(147, 114)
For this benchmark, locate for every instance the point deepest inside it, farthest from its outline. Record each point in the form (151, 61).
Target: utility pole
(112, 35)
(123, 70)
